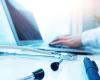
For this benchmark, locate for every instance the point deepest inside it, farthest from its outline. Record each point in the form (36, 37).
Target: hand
(70, 41)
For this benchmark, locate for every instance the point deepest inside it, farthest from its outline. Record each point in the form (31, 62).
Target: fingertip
(52, 43)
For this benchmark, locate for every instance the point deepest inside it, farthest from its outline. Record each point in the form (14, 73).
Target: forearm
(91, 38)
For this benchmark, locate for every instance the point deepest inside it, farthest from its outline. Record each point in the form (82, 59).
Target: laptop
(26, 30)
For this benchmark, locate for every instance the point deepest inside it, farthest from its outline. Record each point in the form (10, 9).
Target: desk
(15, 68)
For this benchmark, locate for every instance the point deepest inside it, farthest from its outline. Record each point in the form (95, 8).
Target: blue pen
(91, 69)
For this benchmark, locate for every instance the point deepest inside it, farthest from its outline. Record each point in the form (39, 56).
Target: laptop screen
(23, 21)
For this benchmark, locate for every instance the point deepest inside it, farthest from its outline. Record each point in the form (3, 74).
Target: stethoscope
(39, 74)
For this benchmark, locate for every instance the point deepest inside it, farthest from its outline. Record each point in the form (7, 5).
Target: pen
(91, 69)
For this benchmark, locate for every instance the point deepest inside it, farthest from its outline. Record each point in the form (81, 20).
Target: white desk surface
(15, 68)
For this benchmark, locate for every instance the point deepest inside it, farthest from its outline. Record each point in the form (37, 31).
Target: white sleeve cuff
(90, 37)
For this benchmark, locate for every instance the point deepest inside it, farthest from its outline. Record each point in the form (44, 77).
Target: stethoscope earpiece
(55, 65)
(38, 74)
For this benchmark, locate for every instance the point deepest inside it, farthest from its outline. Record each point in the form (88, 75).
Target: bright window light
(52, 16)
(59, 17)
(6, 36)
(55, 17)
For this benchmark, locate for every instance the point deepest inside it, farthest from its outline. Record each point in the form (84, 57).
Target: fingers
(61, 38)
(70, 41)
(63, 42)
(57, 42)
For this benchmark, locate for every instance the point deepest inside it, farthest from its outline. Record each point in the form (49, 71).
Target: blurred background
(55, 17)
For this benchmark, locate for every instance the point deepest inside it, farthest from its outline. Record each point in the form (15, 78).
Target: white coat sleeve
(91, 38)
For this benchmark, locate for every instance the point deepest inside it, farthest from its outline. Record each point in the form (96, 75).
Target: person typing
(89, 38)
